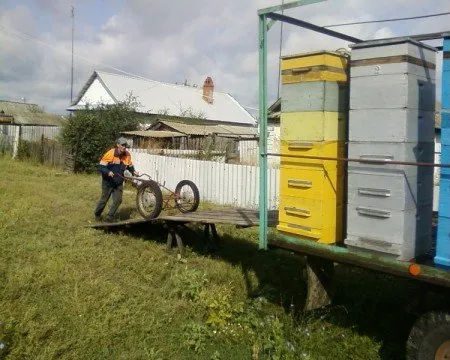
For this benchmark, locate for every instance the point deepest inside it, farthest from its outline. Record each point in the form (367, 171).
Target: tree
(90, 132)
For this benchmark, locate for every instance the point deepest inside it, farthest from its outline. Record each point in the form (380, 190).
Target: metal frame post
(263, 131)
(286, 6)
(264, 27)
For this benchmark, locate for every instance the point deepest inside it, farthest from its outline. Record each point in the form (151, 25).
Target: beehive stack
(392, 99)
(314, 105)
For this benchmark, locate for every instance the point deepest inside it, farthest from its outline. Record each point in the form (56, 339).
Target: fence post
(17, 137)
(41, 152)
(53, 160)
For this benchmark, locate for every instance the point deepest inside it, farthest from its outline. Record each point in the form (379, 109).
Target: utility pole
(71, 70)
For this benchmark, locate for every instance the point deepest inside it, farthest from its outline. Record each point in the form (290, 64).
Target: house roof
(275, 107)
(224, 130)
(156, 97)
(274, 111)
(154, 133)
(27, 114)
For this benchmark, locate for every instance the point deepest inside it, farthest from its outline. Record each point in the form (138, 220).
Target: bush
(26, 150)
(91, 132)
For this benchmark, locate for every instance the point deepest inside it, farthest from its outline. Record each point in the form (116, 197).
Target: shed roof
(28, 114)
(154, 134)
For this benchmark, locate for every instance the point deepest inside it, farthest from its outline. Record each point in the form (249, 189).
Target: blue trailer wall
(443, 233)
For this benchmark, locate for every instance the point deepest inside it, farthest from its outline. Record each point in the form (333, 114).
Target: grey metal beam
(270, 24)
(313, 27)
(430, 36)
(288, 6)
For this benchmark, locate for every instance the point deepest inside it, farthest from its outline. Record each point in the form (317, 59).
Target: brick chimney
(208, 90)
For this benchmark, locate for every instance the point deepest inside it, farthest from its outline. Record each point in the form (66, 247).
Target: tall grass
(72, 292)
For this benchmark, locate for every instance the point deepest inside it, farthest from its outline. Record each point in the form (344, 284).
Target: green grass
(72, 292)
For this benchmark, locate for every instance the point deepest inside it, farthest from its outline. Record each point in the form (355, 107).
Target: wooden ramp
(238, 217)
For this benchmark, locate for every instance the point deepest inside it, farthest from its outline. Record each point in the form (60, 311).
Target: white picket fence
(224, 184)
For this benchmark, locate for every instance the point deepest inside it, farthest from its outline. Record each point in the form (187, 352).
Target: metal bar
(263, 131)
(381, 162)
(417, 37)
(309, 26)
(287, 6)
(429, 36)
(270, 24)
(364, 260)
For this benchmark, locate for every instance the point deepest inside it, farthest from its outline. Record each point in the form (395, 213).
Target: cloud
(172, 42)
(19, 16)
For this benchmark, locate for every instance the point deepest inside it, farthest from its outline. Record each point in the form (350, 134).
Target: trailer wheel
(187, 196)
(429, 339)
(149, 200)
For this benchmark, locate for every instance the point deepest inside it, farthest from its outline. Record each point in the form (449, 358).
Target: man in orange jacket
(112, 167)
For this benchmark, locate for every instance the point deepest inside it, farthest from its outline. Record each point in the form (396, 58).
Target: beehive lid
(392, 41)
(314, 53)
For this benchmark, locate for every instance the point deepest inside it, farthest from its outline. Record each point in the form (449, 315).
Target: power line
(32, 38)
(388, 20)
(28, 37)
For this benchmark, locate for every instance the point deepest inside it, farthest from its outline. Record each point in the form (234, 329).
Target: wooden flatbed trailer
(430, 336)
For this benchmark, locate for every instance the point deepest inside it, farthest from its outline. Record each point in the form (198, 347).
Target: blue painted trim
(443, 232)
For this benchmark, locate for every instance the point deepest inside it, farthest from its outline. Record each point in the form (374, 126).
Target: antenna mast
(71, 70)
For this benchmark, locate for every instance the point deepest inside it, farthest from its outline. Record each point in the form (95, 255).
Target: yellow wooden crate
(313, 126)
(324, 236)
(314, 66)
(328, 149)
(311, 184)
(314, 213)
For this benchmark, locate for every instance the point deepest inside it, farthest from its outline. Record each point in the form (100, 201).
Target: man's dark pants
(109, 190)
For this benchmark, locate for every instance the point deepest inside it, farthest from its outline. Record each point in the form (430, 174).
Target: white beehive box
(391, 125)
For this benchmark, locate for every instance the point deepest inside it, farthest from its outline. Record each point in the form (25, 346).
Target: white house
(164, 100)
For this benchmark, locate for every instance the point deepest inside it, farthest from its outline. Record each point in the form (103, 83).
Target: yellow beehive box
(315, 66)
(297, 181)
(313, 126)
(324, 236)
(314, 213)
(293, 152)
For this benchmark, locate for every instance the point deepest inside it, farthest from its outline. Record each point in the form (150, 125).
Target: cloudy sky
(174, 41)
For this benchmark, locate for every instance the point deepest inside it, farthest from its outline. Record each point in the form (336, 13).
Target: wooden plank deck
(241, 217)
(238, 217)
